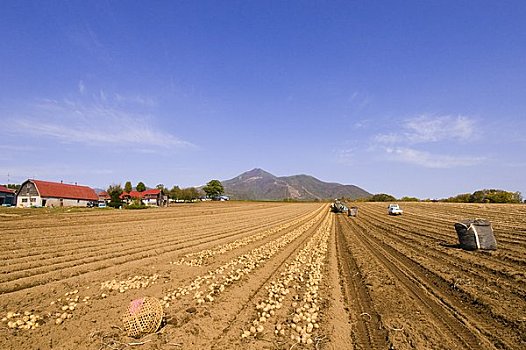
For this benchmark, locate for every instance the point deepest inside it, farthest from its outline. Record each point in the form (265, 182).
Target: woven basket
(143, 316)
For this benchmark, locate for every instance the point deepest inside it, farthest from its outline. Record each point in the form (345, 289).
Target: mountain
(257, 184)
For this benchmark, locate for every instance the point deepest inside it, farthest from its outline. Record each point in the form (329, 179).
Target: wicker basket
(143, 316)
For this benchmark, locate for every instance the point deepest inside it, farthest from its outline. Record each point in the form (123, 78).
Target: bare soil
(287, 275)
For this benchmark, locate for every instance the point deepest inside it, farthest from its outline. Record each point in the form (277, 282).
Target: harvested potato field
(238, 275)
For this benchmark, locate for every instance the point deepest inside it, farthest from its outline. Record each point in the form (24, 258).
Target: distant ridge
(257, 184)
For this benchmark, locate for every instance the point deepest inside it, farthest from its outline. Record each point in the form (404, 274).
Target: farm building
(148, 197)
(154, 197)
(39, 193)
(104, 197)
(7, 196)
(129, 196)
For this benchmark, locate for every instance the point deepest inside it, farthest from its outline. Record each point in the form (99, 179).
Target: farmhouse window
(24, 200)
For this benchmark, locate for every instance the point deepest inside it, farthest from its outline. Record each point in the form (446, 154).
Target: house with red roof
(129, 196)
(104, 197)
(148, 197)
(38, 193)
(154, 197)
(7, 196)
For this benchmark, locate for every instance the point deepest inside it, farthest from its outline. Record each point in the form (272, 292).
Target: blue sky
(416, 98)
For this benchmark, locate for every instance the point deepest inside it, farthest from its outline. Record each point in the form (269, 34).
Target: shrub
(136, 204)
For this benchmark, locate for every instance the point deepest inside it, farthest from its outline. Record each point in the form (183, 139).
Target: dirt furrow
(430, 236)
(368, 332)
(304, 282)
(486, 271)
(46, 242)
(469, 320)
(80, 265)
(222, 334)
(237, 321)
(34, 260)
(451, 323)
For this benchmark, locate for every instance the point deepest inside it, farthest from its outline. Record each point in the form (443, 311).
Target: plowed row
(264, 276)
(429, 293)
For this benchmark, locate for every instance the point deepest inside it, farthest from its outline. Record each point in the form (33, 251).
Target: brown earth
(287, 275)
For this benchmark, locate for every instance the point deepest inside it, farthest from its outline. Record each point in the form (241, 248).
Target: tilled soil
(240, 275)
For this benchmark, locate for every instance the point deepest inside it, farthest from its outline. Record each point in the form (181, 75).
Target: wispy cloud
(425, 129)
(82, 87)
(439, 133)
(94, 124)
(146, 101)
(85, 37)
(52, 171)
(359, 100)
(10, 152)
(17, 148)
(430, 160)
(346, 156)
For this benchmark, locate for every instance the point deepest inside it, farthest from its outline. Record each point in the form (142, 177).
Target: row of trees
(481, 196)
(487, 196)
(212, 189)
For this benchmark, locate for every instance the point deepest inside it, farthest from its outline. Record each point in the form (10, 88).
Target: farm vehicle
(394, 209)
(339, 207)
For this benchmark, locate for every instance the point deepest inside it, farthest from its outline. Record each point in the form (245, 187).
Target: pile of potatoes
(67, 305)
(64, 310)
(135, 282)
(25, 320)
(301, 278)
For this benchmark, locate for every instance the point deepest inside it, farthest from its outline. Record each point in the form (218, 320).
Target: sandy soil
(286, 275)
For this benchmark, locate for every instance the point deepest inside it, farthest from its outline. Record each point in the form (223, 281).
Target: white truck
(394, 209)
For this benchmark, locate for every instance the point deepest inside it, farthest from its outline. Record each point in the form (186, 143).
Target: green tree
(189, 194)
(175, 192)
(15, 187)
(194, 193)
(478, 197)
(114, 191)
(214, 188)
(184, 194)
(495, 196)
(382, 197)
(141, 187)
(128, 187)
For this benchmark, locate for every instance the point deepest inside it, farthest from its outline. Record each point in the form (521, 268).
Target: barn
(7, 196)
(38, 193)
